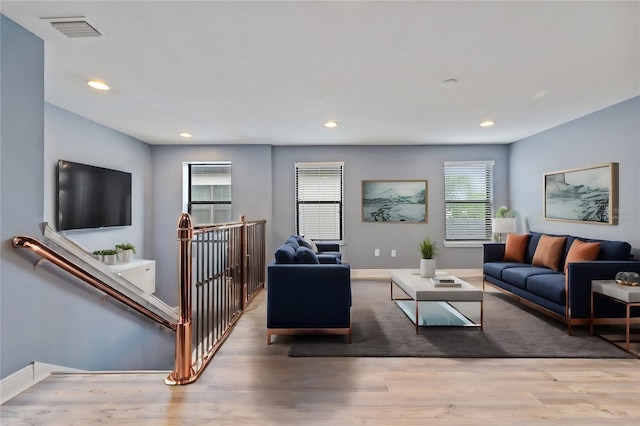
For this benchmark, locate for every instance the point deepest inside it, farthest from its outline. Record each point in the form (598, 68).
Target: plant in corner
(428, 252)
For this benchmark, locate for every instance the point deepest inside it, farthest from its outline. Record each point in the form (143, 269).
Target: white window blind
(319, 201)
(468, 193)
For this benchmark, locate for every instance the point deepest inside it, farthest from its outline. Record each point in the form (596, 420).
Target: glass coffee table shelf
(435, 314)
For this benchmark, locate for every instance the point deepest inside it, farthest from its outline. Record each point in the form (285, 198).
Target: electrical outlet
(393, 253)
(376, 252)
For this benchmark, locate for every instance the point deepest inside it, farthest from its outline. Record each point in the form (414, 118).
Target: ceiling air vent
(75, 28)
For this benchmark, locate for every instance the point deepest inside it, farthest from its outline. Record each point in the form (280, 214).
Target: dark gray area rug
(511, 330)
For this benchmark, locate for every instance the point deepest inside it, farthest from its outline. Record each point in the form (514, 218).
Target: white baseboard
(23, 379)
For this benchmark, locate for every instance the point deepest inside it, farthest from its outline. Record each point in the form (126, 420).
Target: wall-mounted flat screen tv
(92, 197)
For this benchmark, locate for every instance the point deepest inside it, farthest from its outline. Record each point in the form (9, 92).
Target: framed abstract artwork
(394, 201)
(586, 195)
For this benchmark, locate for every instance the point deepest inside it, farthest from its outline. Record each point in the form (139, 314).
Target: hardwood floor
(250, 383)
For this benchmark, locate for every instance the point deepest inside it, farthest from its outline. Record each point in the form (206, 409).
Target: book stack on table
(445, 282)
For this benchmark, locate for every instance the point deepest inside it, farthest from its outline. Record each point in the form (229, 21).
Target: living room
(35, 134)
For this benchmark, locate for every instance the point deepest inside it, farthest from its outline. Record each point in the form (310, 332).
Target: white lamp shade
(503, 225)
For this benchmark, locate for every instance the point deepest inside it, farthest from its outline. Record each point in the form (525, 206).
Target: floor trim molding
(23, 379)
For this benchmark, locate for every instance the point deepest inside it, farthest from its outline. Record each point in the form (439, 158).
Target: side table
(627, 295)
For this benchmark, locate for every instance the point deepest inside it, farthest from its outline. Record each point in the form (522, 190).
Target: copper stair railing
(229, 270)
(47, 253)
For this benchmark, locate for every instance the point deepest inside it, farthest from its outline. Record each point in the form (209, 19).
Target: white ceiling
(272, 72)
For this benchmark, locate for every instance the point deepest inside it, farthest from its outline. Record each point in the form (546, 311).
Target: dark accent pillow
(306, 255)
(285, 254)
(293, 240)
(515, 247)
(304, 243)
(549, 251)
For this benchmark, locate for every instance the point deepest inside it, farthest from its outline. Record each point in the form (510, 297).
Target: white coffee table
(428, 305)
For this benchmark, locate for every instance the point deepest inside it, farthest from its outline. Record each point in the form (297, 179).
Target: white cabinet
(139, 272)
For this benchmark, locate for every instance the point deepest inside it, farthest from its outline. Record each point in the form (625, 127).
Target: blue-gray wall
(44, 315)
(386, 163)
(250, 194)
(609, 135)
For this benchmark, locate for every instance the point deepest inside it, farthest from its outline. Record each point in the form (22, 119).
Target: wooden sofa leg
(268, 337)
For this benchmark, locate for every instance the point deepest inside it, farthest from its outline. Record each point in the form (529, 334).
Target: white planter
(127, 255)
(110, 259)
(427, 268)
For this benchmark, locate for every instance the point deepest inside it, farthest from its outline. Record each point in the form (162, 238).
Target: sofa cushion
(495, 269)
(293, 240)
(549, 252)
(306, 255)
(550, 286)
(518, 276)
(515, 247)
(328, 259)
(285, 254)
(581, 251)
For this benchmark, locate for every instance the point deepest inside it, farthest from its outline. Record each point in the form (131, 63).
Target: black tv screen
(92, 197)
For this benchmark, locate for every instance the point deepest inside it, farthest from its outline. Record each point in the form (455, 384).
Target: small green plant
(96, 252)
(428, 248)
(504, 212)
(126, 246)
(108, 252)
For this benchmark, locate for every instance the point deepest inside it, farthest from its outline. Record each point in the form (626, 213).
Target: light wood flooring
(250, 383)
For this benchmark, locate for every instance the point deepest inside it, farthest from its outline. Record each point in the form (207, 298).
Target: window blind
(319, 200)
(468, 192)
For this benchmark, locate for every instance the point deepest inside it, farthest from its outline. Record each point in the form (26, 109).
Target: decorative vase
(427, 268)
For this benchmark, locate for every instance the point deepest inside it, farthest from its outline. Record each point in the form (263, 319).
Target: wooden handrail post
(183, 371)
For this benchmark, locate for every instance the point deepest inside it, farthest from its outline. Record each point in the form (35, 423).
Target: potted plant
(128, 250)
(97, 254)
(428, 252)
(109, 256)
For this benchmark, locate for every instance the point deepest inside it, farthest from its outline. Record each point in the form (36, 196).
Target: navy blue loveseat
(305, 296)
(564, 297)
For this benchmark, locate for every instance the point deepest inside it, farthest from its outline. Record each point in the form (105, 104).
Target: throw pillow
(285, 254)
(549, 251)
(306, 255)
(515, 247)
(306, 242)
(293, 240)
(581, 251)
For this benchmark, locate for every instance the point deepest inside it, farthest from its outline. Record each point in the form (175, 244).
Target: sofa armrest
(580, 275)
(308, 296)
(327, 259)
(322, 247)
(492, 252)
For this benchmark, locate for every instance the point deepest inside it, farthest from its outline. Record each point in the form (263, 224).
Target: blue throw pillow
(293, 240)
(286, 254)
(306, 255)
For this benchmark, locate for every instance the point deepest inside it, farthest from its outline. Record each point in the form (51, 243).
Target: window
(209, 189)
(319, 201)
(468, 201)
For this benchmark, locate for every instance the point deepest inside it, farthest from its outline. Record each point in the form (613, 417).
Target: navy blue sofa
(566, 298)
(305, 296)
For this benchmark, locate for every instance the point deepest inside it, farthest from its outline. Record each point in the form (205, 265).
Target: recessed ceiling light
(186, 135)
(330, 124)
(98, 85)
(487, 123)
